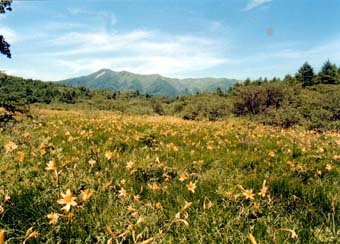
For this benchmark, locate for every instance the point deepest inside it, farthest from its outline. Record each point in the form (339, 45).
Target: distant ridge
(148, 84)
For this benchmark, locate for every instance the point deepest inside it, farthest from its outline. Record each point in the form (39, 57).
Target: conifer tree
(329, 74)
(305, 75)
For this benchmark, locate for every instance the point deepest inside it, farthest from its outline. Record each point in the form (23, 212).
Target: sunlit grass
(99, 177)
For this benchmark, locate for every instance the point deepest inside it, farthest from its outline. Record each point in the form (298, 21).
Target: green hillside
(150, 84)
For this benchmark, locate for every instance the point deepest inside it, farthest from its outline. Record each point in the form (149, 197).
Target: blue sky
(57, 39)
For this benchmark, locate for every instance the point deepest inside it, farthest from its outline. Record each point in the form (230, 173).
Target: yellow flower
(92, 162)
(256, 206)
(53, 217)
(21, 156)
(271, 153)
(328, 167)
(158, 205)
(336, 157)
(136, 198)
(131, 209)
(319, 172)
(129, 165)
(291, 165)
(154, 186)
(264, 189)
(183, 177)
(68, 200)
(108, 155)
(186, 206)
(10, 146)
(122, 193)
(209, 147)
(299, 167)
(191, 187)
(30, 234)
(26, 135)
(249, 194)
(51, 166)
(85, 195)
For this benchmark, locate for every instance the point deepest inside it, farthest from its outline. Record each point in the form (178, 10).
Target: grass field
(99, 177)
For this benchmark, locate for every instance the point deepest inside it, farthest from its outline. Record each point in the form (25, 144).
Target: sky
(58, 39)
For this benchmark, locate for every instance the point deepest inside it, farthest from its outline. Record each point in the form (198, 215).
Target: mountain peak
(154, 84)
(103, 70)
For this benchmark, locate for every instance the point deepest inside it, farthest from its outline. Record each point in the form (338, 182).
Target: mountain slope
(151, 84)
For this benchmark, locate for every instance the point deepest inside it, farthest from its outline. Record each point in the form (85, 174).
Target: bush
(205, 106)
(255, 99)
(282, 104)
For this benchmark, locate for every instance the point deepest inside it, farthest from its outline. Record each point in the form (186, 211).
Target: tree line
(307, 99)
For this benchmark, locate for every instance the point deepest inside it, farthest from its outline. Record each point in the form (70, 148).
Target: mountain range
(148, 84)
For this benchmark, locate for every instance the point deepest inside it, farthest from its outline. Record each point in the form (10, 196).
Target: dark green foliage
(307, 100)
(4, 47)
(202, 106)
(329, 74)
(158, 108)
(14, 89)
(285, 116)
(11, 101)
(254, 99)
(288, 104)
(321, 106)
(5, 5)
(219, 92)
(305, 75)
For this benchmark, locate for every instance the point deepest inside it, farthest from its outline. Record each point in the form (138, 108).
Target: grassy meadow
(100, 177)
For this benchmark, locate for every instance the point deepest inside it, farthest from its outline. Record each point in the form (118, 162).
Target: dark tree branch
(4, 47)
(5, 5)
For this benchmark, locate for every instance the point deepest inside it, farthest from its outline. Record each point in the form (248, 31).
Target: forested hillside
(32, 91)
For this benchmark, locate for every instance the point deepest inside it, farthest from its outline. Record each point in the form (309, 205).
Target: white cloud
(140, 51)
(255, 3)
(10, 35)
(282, 59)
(90, 42)
(165, 65)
